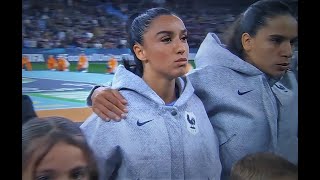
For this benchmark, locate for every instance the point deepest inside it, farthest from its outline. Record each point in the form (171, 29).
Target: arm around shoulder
(94, 92)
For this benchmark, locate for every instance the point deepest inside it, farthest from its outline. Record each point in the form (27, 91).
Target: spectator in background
(248, 91)
(51, 63)
(63, 64)
(83, 63)
(112, 65)
(167, 134)
(55, 148)
(26, 63)
(263, 166)
(28, 111)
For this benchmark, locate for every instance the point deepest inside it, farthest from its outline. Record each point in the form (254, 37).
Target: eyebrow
(283, 37)
(80, 168)
(44, 172)
(170, 32)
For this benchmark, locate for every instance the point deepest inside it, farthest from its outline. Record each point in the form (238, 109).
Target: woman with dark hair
(55, 148)
(167, 134)
(248, 90)
(246, 86)
(257, 110)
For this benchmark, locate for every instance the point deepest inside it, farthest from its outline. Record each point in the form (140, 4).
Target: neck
(163, 87)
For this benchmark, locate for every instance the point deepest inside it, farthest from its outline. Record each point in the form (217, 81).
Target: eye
(42, 177)
(166, 39)
(276, 40)
(79, 173)
(184, 38)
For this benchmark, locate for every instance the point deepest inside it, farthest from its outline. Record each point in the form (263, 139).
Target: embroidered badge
(191, 122)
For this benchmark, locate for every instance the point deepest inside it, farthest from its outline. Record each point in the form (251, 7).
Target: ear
(246, 41)
(140, 53)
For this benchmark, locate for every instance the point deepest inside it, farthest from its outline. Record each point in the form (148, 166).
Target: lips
(284, 66)
(181, 60)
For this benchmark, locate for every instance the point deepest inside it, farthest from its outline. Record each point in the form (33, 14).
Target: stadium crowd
(101, 24)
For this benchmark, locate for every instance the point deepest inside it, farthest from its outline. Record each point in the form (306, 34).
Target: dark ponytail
(251, 21)
(137, 25)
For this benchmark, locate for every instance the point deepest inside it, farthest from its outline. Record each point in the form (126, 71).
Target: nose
(181, 47)
(287, 50)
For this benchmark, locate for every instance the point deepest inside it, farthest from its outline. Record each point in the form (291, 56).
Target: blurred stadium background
(97, 28)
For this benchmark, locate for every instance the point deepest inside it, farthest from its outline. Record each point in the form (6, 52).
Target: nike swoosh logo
(142, 123)
(245, 92)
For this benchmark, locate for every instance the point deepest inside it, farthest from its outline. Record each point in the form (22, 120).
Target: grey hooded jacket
(249, 111)
(155, 141)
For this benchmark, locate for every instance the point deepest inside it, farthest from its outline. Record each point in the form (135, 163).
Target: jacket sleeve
(108, 166)
(89, 101)
(103, 139)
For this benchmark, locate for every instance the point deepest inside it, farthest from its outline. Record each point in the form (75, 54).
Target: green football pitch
(94, 67)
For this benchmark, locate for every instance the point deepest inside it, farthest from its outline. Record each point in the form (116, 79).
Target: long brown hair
(41, 134)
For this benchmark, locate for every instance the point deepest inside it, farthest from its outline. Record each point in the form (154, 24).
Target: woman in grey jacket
(167, 134)
(248, 91)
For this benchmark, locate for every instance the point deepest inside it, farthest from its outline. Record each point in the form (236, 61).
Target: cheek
(269, 56)
(264, 52)
(159, 55)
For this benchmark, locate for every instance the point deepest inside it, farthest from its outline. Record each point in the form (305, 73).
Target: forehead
(166, 23)
(284, 25)
(62, 154)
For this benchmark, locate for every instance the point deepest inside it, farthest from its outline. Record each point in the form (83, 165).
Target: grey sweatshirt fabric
(155, 141)
(249, 112)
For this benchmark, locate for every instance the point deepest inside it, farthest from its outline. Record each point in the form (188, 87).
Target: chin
(177, 75)
(278, 75)
(180, 72)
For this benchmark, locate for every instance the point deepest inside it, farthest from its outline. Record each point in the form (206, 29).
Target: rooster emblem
(191, 122)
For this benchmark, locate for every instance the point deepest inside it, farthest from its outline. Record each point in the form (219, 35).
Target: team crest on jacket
(191, 122)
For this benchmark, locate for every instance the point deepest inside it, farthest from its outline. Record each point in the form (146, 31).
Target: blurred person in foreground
(167, 134)
(247, 88)
(55, 148)
(263, 166)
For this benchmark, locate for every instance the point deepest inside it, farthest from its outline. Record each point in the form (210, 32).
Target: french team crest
(191, 122)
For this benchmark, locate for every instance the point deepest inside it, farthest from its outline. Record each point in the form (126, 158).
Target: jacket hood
(213, 52)
(124, 79)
